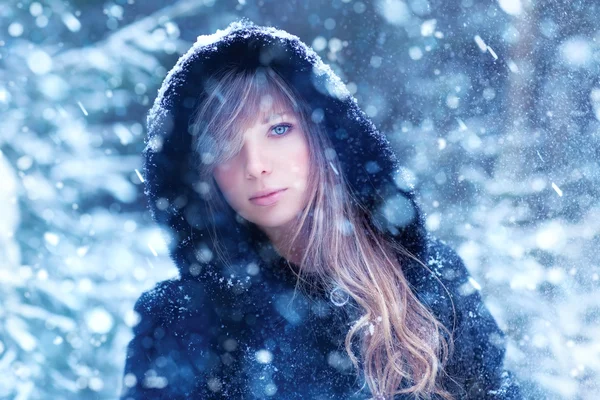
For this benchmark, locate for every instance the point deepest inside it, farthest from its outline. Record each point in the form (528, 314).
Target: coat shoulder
(439, 278)
(172, 348)
(477, 363)
(170, 302)
(445, 262)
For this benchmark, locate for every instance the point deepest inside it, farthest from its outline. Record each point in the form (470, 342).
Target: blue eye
(281, 133)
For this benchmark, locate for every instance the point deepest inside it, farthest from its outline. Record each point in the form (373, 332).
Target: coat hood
(186, 322)
(365, 155)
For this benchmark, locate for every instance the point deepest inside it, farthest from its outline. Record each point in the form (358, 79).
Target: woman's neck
(280, 238)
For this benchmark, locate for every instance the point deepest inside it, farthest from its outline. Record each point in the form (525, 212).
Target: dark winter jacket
(237, 331)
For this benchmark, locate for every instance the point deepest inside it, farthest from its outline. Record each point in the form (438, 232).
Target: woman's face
(275, 156)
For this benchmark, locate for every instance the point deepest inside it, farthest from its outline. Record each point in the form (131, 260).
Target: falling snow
(492, 107)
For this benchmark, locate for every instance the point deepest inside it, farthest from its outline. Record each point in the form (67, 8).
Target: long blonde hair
(403, 348)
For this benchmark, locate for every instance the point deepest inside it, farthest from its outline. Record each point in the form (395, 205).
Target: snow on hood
(365, 155)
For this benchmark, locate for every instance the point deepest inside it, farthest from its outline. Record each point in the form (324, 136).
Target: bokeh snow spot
(398, 211)
(339, 296)
(98, 320)
(576, 52)
(263, 356)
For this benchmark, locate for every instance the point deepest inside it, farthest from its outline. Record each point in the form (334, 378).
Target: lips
(265, 193)
(268, 199)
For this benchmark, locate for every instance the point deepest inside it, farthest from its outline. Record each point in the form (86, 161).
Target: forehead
(260, 116)
(267, 105)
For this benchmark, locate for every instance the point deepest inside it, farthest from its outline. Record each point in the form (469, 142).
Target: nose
(257, 162)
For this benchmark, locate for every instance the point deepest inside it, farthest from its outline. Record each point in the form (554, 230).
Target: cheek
(226, 181)
(302, 164)
(300, 161)
(299, 167)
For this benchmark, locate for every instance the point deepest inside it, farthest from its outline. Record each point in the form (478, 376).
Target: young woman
(305, 268)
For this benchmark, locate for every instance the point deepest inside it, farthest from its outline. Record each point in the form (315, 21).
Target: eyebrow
(268, 119)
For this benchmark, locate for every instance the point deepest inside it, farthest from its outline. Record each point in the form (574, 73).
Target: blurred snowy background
(494, 106)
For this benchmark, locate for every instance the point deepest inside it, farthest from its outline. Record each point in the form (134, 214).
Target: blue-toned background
(494, 105)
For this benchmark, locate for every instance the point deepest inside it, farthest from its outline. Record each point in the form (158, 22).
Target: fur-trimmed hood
(365, 155)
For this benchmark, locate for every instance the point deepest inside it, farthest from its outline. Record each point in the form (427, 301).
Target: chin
(274, 221)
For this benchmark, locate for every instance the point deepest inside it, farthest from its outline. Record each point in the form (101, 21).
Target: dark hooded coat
(236, 330)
